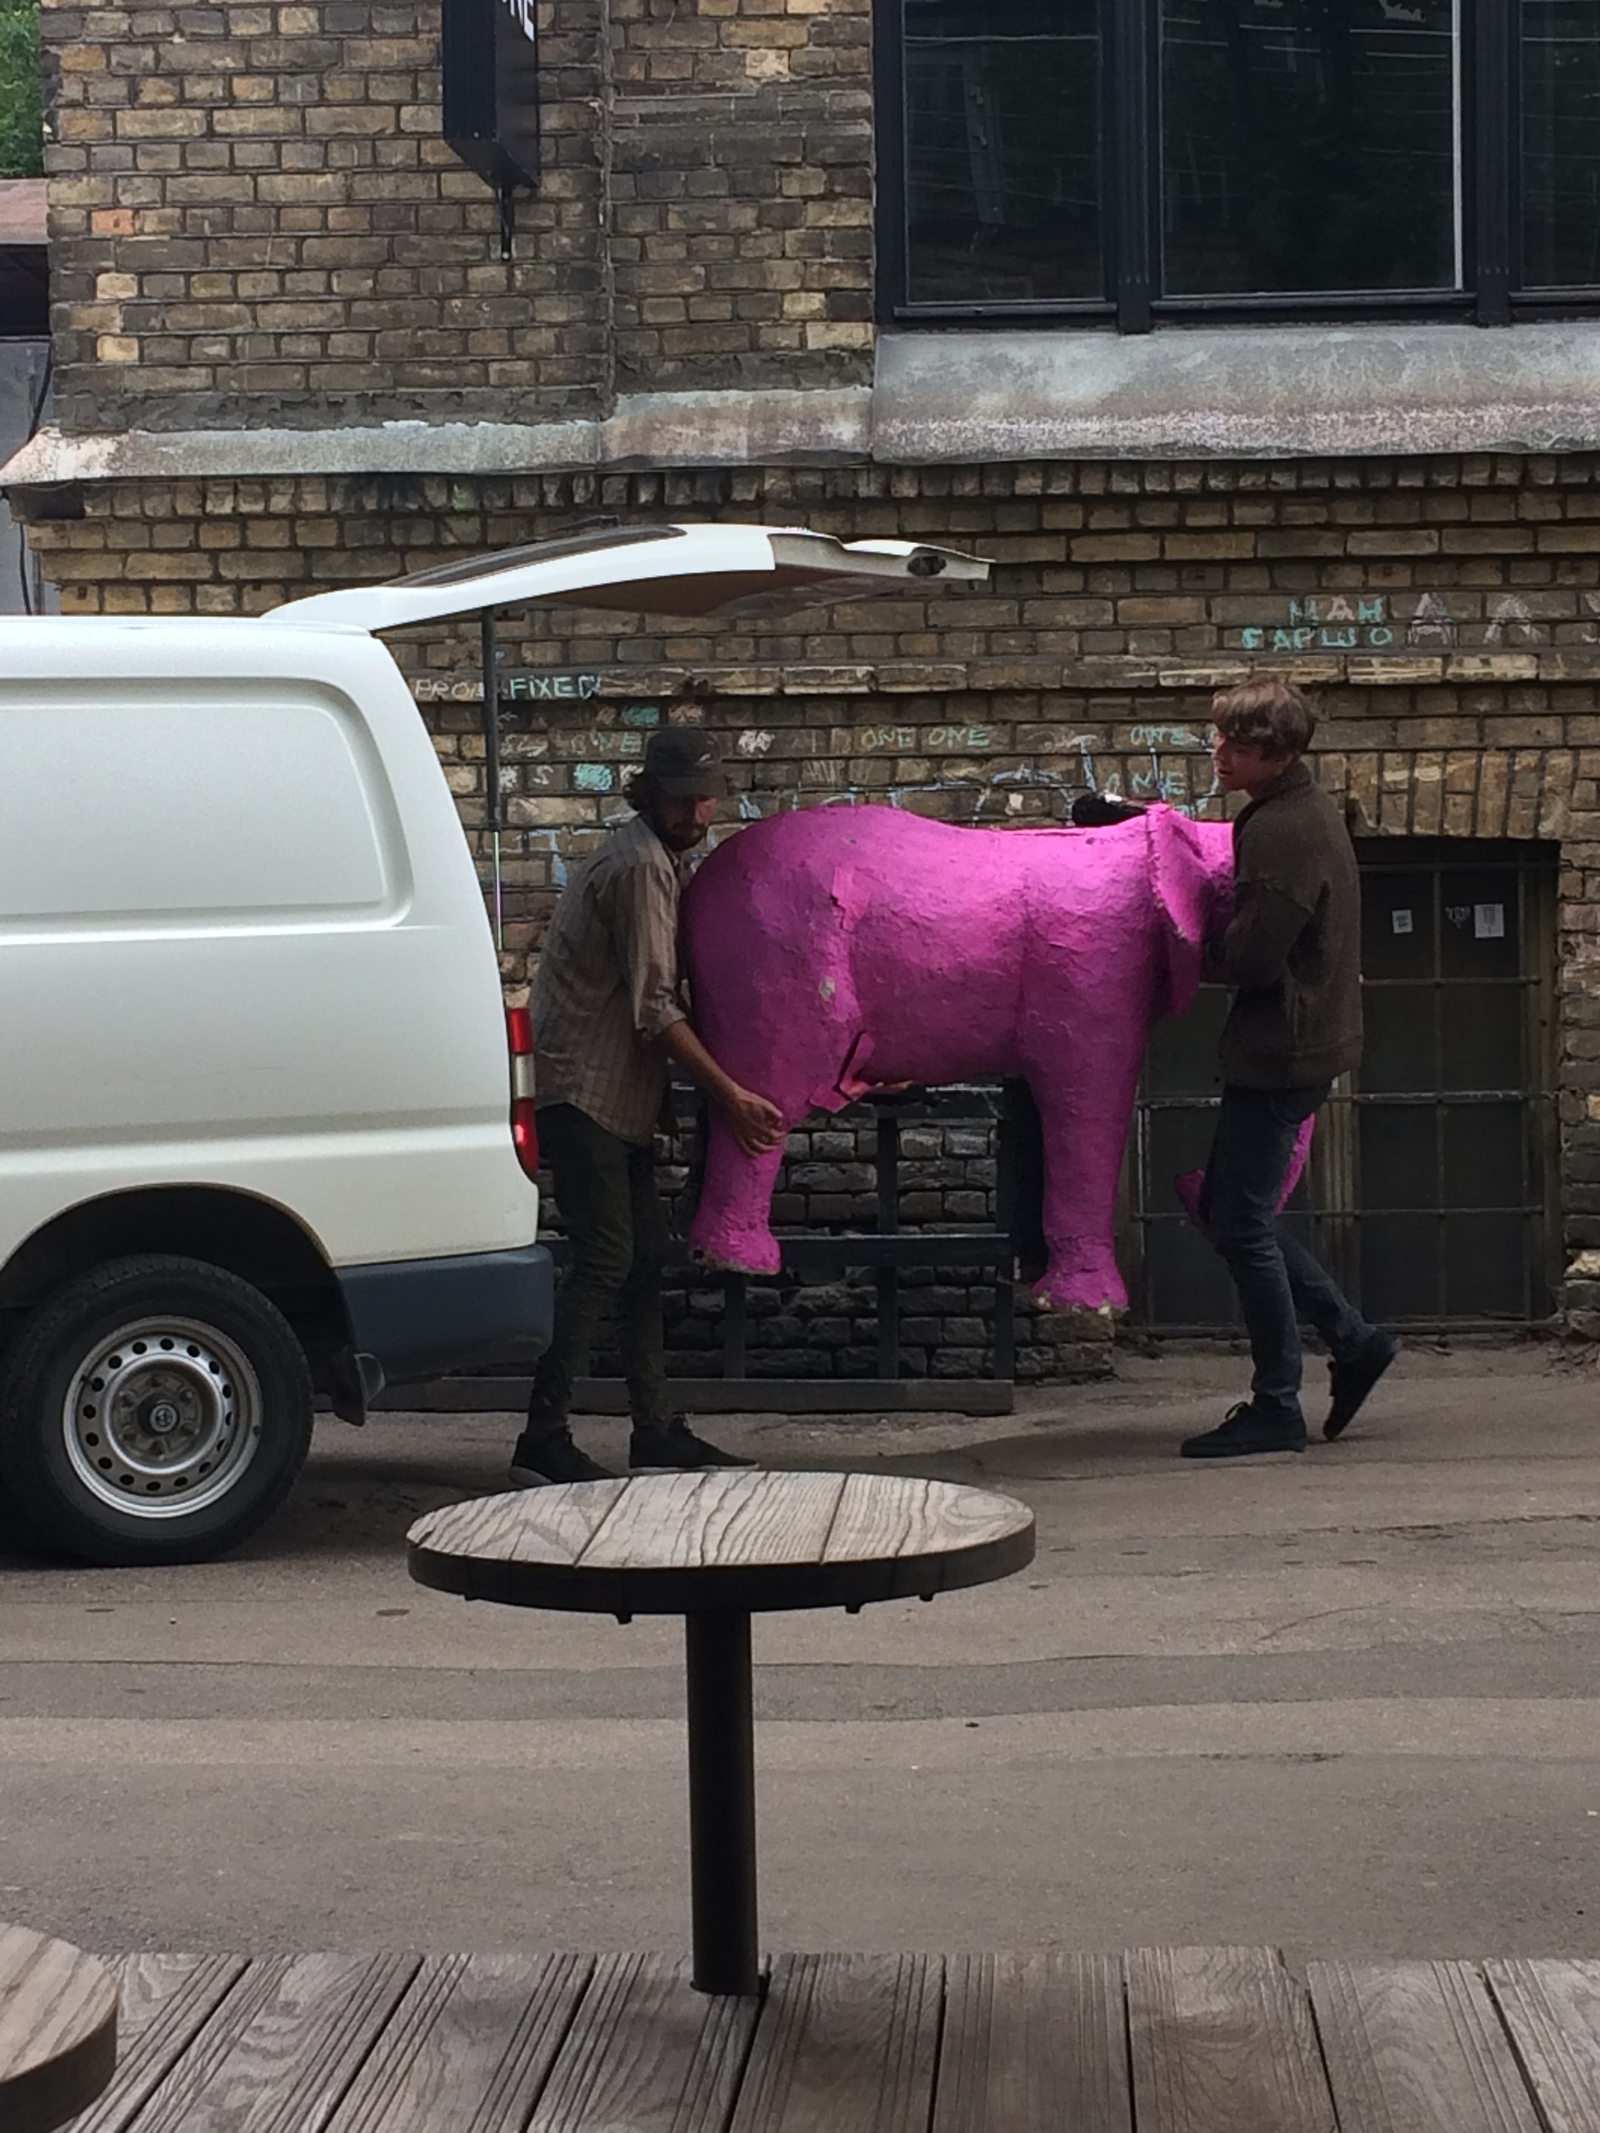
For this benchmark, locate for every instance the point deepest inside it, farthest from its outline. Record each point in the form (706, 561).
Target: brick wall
(740, 187)
(255, 221)
(1447, 611)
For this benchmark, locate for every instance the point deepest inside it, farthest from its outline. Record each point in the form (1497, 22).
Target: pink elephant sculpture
(835, 949)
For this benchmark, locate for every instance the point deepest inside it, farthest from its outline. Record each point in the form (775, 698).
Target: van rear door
(707, 572)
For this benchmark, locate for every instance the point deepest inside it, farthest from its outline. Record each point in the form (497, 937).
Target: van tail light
(524, 1132)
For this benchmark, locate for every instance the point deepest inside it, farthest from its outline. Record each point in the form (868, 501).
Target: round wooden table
(58, 2030)
(717, 1547)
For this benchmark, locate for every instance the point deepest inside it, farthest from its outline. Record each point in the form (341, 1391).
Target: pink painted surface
(1188, 1186)
(840, 947)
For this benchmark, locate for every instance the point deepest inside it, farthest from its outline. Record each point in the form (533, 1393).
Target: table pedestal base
(722, 1801)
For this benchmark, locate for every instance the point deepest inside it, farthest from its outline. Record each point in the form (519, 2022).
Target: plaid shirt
(608, 985)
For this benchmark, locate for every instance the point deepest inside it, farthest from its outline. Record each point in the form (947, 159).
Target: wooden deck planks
(165, 2002)
(1221, 2041)
(1033, 2044)
(646, 2054)
(1204, 2040)
(1418, 2048)
(1552, 2010)
(846, 2044)
(469, 2047)
(282, 2048)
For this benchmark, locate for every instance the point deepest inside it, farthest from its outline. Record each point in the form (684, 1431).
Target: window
(1002, 115)
(1560, 204)
(1135, 160)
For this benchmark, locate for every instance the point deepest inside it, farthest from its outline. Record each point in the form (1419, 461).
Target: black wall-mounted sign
(490, 57)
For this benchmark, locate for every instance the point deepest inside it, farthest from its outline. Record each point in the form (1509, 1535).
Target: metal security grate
(1434, 1171)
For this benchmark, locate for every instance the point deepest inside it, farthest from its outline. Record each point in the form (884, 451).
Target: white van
(259, 1137)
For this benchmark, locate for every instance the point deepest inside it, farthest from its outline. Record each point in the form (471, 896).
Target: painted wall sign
(910, 740)
(1336, 625)
(436, 689)
(543, 685)
(489, 53)
(521, 685)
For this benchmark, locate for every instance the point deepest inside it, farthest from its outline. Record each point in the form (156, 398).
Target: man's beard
(681, 840)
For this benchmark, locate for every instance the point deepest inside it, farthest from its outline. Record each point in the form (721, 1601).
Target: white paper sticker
(1489, 921)
(1401, 921)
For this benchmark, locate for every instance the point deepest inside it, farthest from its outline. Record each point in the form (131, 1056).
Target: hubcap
(162, 1417)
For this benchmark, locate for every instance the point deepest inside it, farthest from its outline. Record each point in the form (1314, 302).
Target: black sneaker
(1245, 1431)
(552, 1456)
(674, 1447)
(1351, 1380)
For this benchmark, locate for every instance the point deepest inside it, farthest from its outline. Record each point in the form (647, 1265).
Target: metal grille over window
(1433, 1172)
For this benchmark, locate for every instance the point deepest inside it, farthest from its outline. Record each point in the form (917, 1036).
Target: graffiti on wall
(1420, 622)
(1334, 625)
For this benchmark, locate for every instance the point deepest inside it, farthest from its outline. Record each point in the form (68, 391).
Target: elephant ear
(1182, 872)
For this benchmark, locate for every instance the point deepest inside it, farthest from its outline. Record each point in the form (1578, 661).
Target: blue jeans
(1278, 1280)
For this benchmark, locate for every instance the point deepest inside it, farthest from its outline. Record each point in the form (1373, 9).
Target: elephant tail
(850, 1086)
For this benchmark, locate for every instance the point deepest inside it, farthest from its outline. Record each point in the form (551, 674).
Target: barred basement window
(1132, 161)
(1435, 1192)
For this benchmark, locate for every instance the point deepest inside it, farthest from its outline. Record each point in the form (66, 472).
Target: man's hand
(757, 1125)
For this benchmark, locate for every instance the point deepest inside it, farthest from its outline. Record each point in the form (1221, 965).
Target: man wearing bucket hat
(609, 1020)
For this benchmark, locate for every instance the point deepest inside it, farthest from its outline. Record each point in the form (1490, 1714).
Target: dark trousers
(1278, 1280)
(617, 1240)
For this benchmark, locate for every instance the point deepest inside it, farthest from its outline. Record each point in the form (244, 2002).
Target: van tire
(206, 1420)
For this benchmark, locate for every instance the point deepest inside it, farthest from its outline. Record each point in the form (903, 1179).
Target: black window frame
(1492, 295)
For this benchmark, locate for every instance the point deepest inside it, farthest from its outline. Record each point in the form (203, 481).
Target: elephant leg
(732, 1226)
(808, 1068)
(1085, 1093)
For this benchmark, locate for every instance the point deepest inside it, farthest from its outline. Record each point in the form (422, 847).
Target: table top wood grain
(58, 2030)
(752, 1541)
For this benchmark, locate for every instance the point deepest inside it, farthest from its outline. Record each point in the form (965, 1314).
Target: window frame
(1490, 177)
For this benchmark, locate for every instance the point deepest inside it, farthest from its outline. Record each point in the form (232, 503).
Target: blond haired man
(1292, 955)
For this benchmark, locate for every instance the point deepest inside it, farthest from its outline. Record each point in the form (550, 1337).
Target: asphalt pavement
(1346, 1703)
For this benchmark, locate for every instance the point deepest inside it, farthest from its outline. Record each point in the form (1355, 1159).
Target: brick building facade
(290, 355)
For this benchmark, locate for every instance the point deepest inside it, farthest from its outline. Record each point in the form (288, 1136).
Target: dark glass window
(1002, 149)
(1308, 145)
(1134, 160)
(1560, 59)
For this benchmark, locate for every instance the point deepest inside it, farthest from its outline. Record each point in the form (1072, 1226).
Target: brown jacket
(607, 985)
(1292, 950)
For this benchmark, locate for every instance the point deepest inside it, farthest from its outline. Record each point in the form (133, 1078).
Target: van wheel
(156, 1410)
